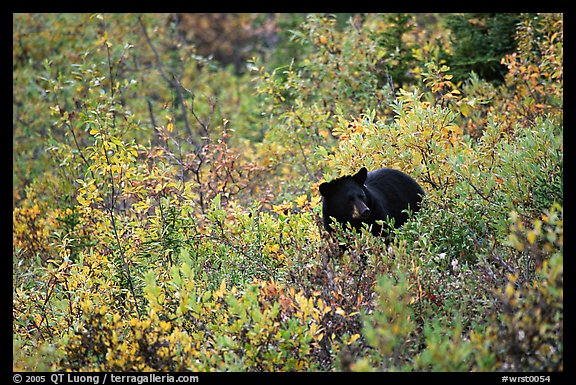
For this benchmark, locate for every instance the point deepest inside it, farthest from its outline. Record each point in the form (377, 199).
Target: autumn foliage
(166, 214)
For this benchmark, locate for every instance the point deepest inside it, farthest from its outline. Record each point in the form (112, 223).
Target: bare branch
(172, 81)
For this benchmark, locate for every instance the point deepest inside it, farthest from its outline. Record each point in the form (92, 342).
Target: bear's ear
(360, 176)
(324, 188)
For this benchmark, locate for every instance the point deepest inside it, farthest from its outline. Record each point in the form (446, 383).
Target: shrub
(265, 327)
(525, 329)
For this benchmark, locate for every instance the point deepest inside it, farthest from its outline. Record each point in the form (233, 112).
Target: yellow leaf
(301, 200)
(531, 237)
(352, 339)
(222, 289)
(553, 37)
(102, 40)
(82, 201)
(165, 326)
(509, 290)
(274, 248)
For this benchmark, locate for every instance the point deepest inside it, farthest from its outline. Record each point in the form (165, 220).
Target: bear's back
(393, 191)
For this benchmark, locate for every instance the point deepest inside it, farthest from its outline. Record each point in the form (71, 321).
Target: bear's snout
(365, 213)
(360, 211)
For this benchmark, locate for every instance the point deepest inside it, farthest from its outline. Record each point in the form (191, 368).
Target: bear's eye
(354, 198)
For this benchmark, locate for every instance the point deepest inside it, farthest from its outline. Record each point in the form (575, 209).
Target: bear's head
(345, 199)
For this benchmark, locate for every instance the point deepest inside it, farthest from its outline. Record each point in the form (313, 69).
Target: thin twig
(67, 124)
(110, 210)
(173, 82)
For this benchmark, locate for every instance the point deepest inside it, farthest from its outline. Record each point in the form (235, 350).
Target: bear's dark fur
(367, 197)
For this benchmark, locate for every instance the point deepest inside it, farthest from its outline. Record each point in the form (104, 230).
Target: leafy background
(165, 205)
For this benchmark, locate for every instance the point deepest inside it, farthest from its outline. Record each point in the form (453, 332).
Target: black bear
(367, 197)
